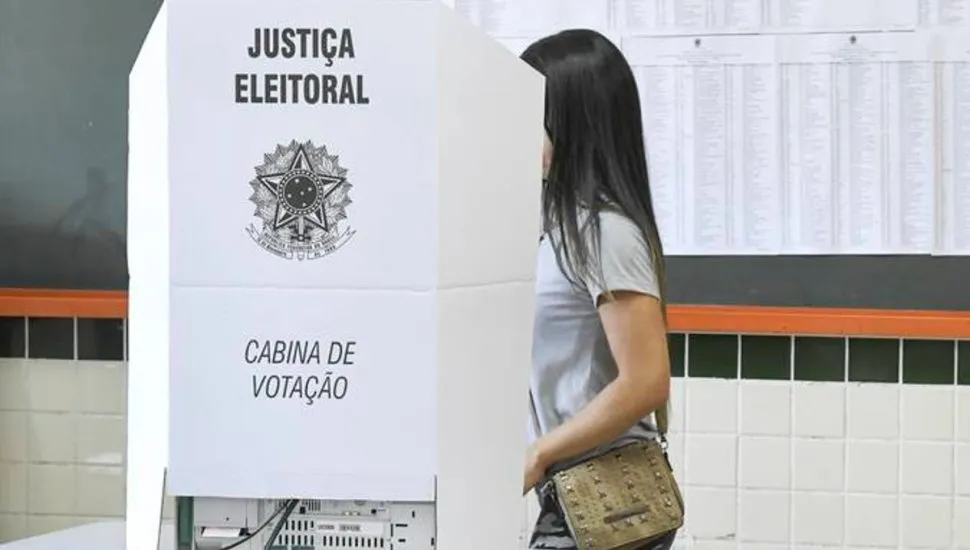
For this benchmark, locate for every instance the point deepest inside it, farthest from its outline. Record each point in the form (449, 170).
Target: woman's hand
(535, 468)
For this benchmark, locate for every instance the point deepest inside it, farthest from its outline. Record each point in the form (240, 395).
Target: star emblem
(301, 192)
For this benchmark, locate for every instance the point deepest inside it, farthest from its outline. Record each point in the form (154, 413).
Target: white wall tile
(819, 518)
(712, 405)
(712, 460)
(101, 439)
(873, 466)
(926, 522)
(710, 545)
(712, 512)
(53, 437)
(51, 489)
(13, 488)
(764, 546)
(676, 451)
(819, 409)
(873, 410)
(12, 527)
(928, 412)
(927, 468)
(13, 436)
(871, 520)
(963, 471)
(963, 414)
(677, 406)
(764, 517)
(100, 491)
(43, 524)
(52, 386)
(819, 464)
(961, 521)
(13, 385)
(102, 387)
(765, 462)
(766, 407)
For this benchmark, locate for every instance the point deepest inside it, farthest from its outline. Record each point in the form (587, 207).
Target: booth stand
(341, 274)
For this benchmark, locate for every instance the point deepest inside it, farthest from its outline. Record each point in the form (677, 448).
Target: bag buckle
(663, 448)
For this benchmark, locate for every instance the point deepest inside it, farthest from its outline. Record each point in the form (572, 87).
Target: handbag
(622, 499)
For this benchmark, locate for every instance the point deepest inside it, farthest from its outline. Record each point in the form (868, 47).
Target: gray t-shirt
(571, 358)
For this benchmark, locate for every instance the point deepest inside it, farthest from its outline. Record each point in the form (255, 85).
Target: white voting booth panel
(147, 446)
(352, 201)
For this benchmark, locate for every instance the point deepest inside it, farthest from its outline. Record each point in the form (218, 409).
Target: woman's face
(546, 155)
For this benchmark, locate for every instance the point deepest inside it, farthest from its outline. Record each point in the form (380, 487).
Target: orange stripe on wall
(683, 318)
(63, 303)
(821, 321)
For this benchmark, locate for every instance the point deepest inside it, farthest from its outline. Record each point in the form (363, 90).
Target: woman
(600, 361)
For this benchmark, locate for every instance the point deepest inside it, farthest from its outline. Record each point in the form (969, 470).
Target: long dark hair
(599, 160)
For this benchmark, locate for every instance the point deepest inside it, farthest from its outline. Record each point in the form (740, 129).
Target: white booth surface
(108, 535)
(346, 251)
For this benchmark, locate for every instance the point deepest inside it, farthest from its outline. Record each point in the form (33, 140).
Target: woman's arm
(637, 337)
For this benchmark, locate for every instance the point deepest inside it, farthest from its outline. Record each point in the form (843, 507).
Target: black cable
(250, 536)
(279, 524)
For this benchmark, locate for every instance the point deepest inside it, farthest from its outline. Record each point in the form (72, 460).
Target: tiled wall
(62, 424)
(779, 442)
(823, 442)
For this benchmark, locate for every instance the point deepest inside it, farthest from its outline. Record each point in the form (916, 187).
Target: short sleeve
(623, 262)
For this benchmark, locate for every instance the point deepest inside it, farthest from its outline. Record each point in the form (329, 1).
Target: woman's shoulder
(615, 231)
(622, 259)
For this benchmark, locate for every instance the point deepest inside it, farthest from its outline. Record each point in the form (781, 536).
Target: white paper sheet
(953, 74)
(858, 130)
(666, 17)
(946, 13)
(526, 18)
(710, 117)
(842, 15)
(687, 16)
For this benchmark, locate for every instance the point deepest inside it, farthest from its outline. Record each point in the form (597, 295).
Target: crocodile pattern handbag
(621, 500)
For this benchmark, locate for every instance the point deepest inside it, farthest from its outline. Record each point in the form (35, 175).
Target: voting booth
(335, 211)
